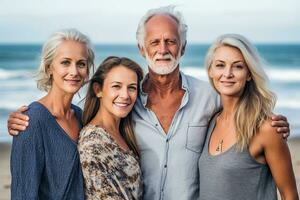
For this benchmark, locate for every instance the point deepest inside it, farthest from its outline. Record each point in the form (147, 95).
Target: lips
(73, 81)
(121, 104)
(228, 83)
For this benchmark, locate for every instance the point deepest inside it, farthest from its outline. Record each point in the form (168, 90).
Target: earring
(99, 94)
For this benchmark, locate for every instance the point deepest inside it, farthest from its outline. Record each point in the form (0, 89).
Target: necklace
(219, 148)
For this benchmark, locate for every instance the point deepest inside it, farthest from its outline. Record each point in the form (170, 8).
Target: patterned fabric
(110, 172)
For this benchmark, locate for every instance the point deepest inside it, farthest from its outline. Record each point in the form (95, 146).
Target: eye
(65, 62)
(154, 43)
(239, 66)
(116, 86)
(171, 42)
(82, 64)
(219, 65)
(132, 88)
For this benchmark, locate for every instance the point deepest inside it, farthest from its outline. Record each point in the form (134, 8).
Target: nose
(73, 69)
(124, 93)
(228, 72)
(163, 48)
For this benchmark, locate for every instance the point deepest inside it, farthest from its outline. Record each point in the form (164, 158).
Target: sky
(115, 21)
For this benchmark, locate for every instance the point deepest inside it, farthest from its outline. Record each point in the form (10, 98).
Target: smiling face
(118, 93)
(69, 67)
(229, 71)
(162, 48)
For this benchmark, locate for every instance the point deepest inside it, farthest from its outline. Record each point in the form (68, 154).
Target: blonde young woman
(243, 157)
(44, 158)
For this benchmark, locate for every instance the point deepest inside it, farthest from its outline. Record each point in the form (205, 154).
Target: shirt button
(165, 166)
(156, 124)
(167, 140)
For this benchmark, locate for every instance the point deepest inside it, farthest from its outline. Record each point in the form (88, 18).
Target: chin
(122, 115)
(71, 90)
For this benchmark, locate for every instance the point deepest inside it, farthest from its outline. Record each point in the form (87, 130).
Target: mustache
(165, 56)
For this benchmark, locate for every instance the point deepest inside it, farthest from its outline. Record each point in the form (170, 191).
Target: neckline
(63, 131)
(126, 151)
(210, 134)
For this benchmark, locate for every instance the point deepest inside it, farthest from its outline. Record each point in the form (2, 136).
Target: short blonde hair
(257, 101)
(44, 80)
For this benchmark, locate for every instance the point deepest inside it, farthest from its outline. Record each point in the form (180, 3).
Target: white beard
(162, 69)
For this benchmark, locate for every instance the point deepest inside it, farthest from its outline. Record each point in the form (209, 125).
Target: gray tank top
(233, 175)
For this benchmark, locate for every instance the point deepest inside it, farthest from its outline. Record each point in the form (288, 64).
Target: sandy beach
(294, 145)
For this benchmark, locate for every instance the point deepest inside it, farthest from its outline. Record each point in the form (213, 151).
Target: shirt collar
(184, 86)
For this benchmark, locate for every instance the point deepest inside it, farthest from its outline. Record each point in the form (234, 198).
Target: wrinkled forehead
(162, 23)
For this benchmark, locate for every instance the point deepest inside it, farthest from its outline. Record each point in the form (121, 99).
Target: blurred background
(272, 25)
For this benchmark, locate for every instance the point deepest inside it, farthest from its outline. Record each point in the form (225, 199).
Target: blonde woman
(44, 158)
(243, 157)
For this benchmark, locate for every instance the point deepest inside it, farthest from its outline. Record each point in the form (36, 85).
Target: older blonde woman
(243, 157)
(44, 159)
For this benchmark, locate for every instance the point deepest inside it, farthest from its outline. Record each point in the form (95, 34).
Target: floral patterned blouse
(110, 172)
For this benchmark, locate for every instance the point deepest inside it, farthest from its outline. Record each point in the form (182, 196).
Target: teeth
(121, 104)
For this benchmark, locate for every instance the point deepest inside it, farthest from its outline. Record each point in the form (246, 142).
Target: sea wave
(8, 74)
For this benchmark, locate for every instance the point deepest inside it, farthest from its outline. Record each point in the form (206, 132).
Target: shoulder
(268, 135)
(89, 135)
(201, 92)
(200, 86)
(37, 114)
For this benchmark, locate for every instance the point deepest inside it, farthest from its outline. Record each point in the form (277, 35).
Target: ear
(183, 48)
(210, 73)
(49, 70)
(97, 89)
(249, 78)
(142, 50)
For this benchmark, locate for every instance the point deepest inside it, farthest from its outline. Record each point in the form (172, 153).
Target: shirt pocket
(195, 137)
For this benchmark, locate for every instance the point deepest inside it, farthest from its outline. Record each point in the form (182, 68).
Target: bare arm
(17, 121)
(278, 158)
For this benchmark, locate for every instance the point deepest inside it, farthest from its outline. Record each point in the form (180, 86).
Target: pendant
(219, 147)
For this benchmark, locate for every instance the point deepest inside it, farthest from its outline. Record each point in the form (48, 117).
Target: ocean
(18, 63)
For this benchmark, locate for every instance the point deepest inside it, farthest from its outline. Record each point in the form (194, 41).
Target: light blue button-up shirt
(169, 161)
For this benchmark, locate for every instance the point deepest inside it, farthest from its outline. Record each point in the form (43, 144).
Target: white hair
(50, 47)
(167, 10)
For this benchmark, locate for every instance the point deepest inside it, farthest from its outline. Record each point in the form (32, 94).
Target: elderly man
(171, 114)
(173, 110)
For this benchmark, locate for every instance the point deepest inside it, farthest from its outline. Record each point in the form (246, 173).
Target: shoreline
(5, 148)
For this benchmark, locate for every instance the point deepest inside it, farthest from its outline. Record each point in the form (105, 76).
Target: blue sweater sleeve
(27, 160)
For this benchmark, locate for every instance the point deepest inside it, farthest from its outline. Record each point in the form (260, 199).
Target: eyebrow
(238, 61)
(233, 62)
(71, 59)
(121, 83)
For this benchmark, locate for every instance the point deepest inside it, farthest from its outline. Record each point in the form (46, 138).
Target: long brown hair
(92, 102)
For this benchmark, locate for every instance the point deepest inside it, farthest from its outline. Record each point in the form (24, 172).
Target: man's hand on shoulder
(17, 121)
(281, 124)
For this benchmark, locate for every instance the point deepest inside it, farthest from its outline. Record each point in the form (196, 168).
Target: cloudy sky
(115, 21)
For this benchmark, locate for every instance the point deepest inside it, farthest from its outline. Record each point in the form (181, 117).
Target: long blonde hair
(92, 102)
(257, 101)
